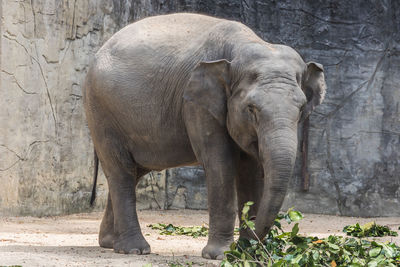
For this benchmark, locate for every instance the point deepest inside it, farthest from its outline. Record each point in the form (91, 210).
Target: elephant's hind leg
(107, 234)
(122, 173)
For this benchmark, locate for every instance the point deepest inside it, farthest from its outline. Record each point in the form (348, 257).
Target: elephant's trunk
(277, 150)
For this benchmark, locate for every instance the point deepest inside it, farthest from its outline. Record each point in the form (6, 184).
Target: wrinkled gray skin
(187, 89)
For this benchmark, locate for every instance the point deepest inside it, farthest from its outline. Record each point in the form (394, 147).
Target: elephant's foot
(215, 250)
(107, 240)
(131, 244)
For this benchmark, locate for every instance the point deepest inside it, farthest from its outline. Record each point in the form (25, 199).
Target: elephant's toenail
(220, 257)
(207, 256)
(135, 251)
(146, 251)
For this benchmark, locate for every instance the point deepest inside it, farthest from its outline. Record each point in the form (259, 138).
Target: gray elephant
(186, 89)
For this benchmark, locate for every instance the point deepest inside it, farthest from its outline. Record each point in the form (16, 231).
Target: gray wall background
(45, 149)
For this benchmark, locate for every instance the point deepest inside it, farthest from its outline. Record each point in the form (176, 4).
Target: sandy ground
(72, 240)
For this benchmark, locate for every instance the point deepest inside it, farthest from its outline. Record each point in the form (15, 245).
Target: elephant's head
(260, 96)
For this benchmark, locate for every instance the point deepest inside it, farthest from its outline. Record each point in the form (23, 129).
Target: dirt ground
(72, 240)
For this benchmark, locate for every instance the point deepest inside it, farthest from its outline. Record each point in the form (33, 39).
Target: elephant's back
(150, 61)
(175, 31)
(154, 48)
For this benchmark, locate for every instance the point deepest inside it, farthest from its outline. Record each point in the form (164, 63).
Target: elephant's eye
(254, 76)
(253, 112)
(298, 78)
(302, 108)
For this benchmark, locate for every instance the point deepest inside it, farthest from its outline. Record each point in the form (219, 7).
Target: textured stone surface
(46, 153)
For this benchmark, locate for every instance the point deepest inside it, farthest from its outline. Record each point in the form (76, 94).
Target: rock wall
(45, 149)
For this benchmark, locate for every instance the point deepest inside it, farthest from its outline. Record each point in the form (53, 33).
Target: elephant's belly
(164, 155)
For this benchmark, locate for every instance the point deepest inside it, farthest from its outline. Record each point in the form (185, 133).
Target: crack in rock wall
(354, 141)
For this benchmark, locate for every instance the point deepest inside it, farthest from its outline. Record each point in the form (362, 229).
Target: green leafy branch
(280, 248)
(370, 229)
(170, 229)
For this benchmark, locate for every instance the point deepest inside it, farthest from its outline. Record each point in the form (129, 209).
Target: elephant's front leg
(218, 154)
(249, 186)
(220, 174)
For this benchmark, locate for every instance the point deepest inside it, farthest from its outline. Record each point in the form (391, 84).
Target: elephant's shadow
(90, 255)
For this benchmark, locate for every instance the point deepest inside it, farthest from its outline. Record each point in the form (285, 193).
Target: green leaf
(333, 246)
(170, 228)
(295, 216)
(297, 258)
(315, 255)
(368, 226)
(277, 223)
(148, 265)
(374, 252)
(388, 251)
(280, 263)
(283, 235)
(232, 255)
(251, 225)
(245, 210)
(393, 233)
(295, 230)
(226, 263)
(373, 263)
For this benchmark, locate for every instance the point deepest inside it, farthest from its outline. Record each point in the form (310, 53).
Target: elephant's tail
(96, 170)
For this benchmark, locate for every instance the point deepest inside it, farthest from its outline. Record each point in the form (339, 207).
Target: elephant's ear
(208, 87)
(314, 87)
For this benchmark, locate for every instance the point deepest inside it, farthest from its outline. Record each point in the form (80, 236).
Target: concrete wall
(46, 153)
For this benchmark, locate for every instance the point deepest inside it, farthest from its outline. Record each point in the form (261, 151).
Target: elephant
(185, 90)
